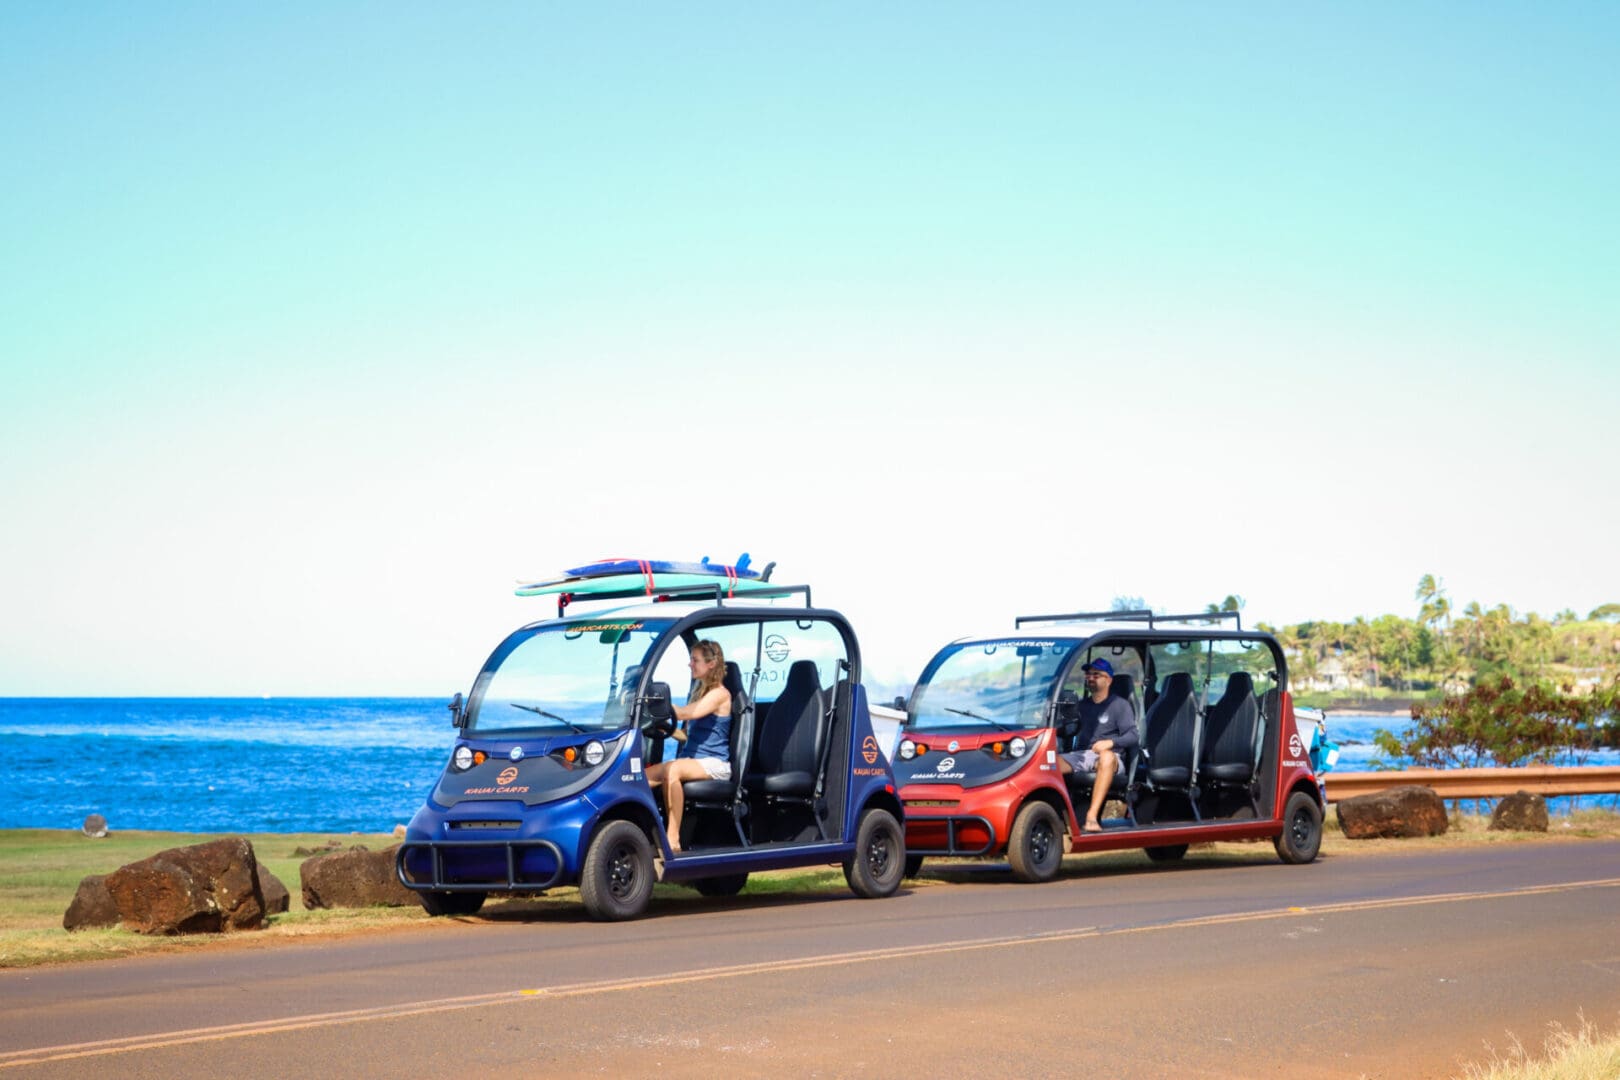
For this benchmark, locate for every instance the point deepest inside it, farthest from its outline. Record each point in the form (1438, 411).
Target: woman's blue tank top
(708, 736)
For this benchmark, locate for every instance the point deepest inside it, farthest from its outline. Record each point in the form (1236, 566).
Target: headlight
(1017, 747)
(908, 749)
(594, 753)
(463, 758)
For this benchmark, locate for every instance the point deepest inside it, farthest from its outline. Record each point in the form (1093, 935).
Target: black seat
(1230, 734)
(1170, 735)
(1080, 784)
(727, 795)
(792, 738)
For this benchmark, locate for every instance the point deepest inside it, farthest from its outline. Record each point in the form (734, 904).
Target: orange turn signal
(570, 754)
(479, 757)
(997, 747)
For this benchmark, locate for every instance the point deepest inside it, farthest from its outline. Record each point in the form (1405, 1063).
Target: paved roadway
(1394, 966)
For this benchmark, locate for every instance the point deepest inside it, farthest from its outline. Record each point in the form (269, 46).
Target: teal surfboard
(627, 577)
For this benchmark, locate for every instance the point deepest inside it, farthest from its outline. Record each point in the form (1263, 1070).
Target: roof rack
(1085, 616)
(1134, 616)
(719, 592)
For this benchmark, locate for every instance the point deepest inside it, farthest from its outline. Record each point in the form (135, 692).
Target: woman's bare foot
(674, 844)
(1092, 826)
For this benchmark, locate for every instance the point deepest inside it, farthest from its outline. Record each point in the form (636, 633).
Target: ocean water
(1355, 734)
(220, 765)
(285, 764)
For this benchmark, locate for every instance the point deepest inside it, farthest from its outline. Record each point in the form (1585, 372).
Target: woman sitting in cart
(705, 752)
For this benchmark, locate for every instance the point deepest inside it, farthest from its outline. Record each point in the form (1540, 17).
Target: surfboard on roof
(627, 577)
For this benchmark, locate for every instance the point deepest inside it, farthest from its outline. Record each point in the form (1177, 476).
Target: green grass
(40, 870)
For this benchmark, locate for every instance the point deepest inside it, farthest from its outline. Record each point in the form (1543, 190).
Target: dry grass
(1473, 830)
(1582, 1054)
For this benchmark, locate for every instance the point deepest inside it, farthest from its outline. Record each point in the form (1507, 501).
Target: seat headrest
(1124, 686)
(1239, 684)
(803, 678)
(733, 678)
(1177, 683)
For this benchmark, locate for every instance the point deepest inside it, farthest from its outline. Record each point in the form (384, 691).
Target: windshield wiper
(547, 715)
(976, 716)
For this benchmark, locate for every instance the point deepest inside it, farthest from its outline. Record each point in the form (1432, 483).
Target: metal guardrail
(1481, 783)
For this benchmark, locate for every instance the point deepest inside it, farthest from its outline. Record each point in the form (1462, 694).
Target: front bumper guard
(513, 882)
(951, 846)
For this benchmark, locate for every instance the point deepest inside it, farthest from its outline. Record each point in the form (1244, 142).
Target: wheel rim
(624, 872)
(879, 854)
(1041, 839)
(1300, 828)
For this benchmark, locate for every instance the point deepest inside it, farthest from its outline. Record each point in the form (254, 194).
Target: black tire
(725, 885)
(1035, 847)
(913, 865)
(1166, 852)
(616, 881)
(452, 903)
(1301, 837)
(880, 856)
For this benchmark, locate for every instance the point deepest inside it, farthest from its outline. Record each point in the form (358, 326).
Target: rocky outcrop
(1522, 811)
(92, 906)
(205, 888)
(1395, 812)
(354, 878)
(276, 897)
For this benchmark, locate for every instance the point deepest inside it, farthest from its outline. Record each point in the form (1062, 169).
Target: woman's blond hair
(710, 650)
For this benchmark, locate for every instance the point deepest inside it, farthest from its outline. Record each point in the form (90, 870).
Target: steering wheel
(659, 729)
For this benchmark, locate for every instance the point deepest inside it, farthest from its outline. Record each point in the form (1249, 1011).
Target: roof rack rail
(718, 592)
(1204, 616)
(1084, 616)
(1133, 616)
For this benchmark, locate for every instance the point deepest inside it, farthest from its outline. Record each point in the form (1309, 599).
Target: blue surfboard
(649, 576)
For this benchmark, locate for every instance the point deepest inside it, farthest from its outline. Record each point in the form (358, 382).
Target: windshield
(994, 684)
(579, 676)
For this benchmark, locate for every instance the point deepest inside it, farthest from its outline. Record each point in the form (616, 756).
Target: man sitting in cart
(1107, 728)
(705, 752)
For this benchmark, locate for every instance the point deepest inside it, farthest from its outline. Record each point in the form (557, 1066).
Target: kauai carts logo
(503, 786)
(776, 648)
(1295, 747)
(869, 750)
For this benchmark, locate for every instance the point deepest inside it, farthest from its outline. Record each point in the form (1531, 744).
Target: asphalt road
(1394, 966)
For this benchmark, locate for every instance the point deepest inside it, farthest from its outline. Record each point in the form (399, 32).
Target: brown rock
(1522, 811)
(276, 897)
(1397, 811)
(200, 889)
(92, 906)
(354, 878)
(95, 827)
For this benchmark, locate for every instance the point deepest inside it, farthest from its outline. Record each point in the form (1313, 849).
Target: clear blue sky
(321, 325)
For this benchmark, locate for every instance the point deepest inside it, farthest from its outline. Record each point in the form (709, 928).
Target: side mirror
(657, 715)
(458, 714)
(899, 702)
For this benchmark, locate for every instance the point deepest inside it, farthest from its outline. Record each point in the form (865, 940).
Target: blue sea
(284, 764)
(220, 764)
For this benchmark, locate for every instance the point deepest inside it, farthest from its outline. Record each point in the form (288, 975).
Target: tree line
(1442, 651)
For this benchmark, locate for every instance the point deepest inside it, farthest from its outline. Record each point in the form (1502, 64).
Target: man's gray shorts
(1085, 761)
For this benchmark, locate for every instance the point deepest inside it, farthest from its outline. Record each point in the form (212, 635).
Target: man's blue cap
(1100, 665)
